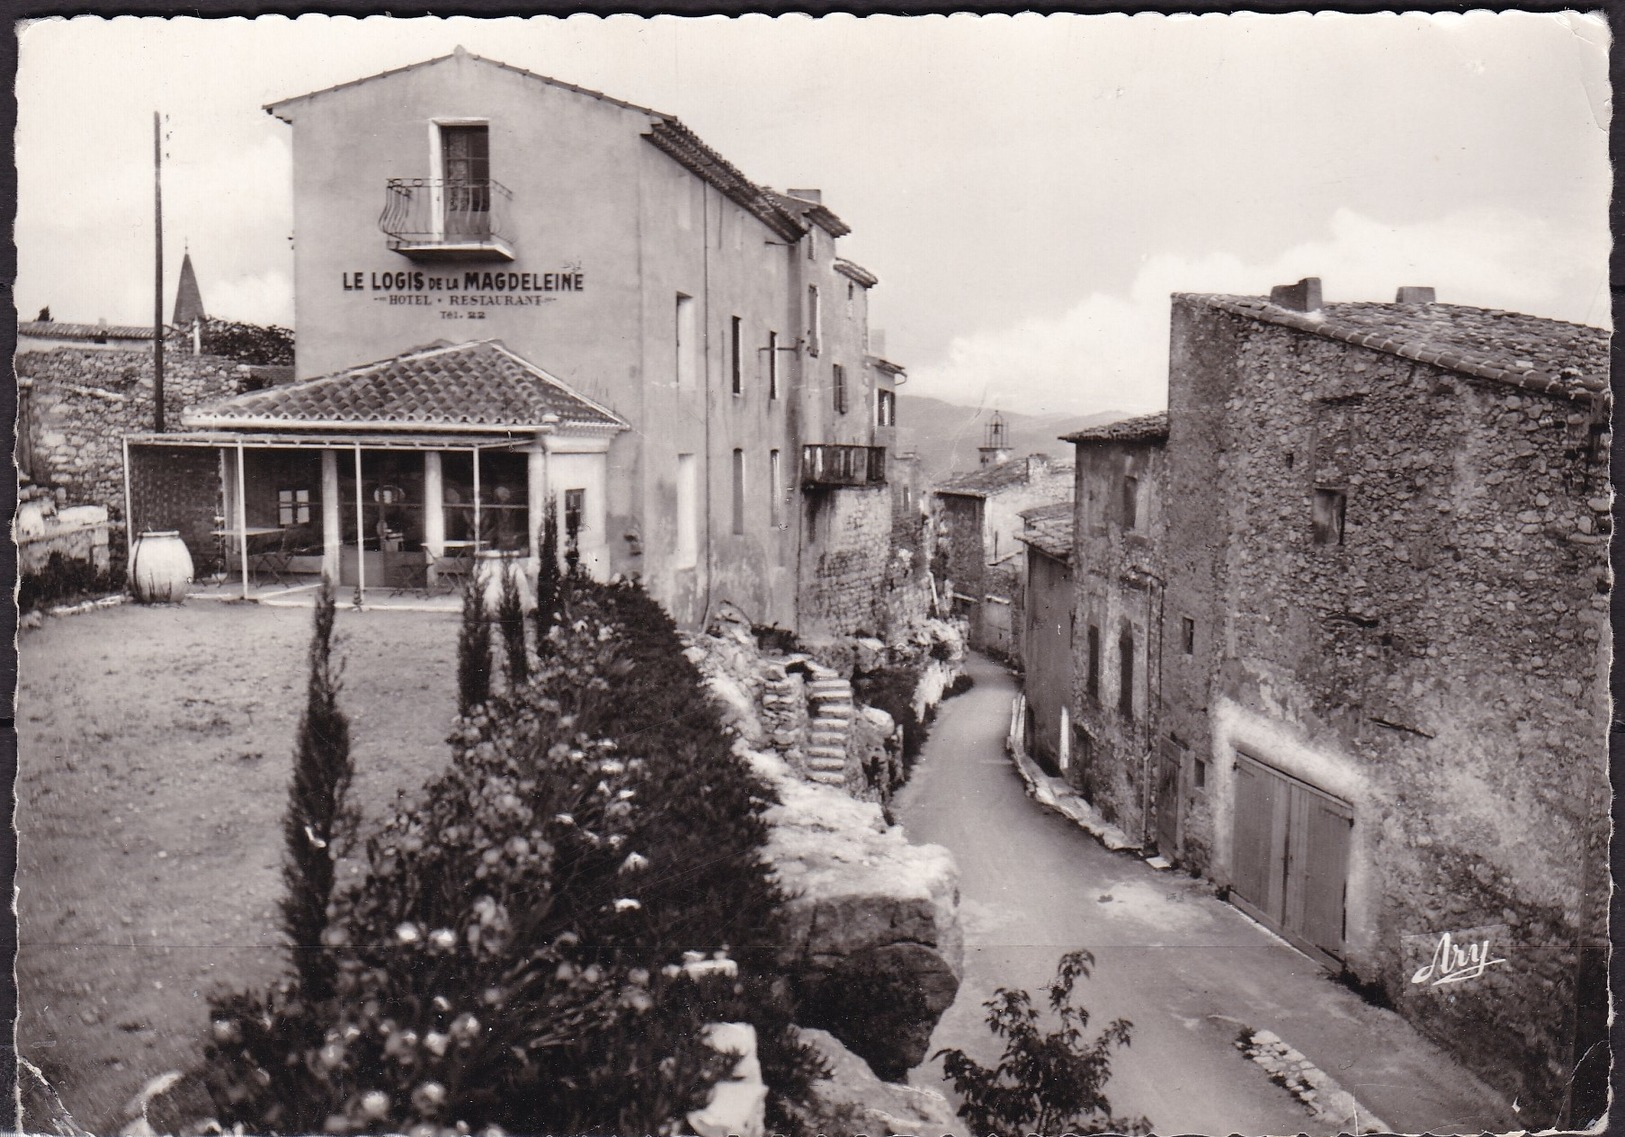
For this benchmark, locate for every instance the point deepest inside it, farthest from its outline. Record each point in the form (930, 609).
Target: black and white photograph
(934, 576)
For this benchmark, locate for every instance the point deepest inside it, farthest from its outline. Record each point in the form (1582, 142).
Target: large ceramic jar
(160, 568)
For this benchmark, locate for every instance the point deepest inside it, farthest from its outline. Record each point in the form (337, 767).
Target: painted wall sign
(470, 280)
(464, 295)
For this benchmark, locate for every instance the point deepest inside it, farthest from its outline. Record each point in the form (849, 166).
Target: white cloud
(1111, 352)
(266, 298)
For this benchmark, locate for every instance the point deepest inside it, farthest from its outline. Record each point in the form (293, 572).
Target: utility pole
(158, 286)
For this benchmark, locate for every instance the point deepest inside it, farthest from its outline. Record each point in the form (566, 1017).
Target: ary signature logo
(1458, 957)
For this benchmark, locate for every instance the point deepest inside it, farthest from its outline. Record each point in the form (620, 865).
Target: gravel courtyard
(155, 747)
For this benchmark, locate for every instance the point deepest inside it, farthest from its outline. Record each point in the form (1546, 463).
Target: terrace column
(434, 503)
(332, 524)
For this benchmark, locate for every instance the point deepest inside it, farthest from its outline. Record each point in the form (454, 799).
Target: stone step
(827, 777)
(826, 752)
(835, 712)
(830, 681)
(830, 694)
(833, 738)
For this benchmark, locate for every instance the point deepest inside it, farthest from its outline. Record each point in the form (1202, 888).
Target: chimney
(1303, 296)
(1413, 294)
(812, 195)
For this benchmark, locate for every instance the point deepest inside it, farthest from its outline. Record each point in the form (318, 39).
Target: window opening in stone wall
(734, 347)
(739, 491)
(1125, 677)
(1187, 634)
(886, 408)
(1131, 495)
(814, 322)
(772, 365)
(1199, 774)
(1330, 507)
(686, 341)
(292, 507)
(775, 487)
(1289, 459)
(840, 389)
(1093, 686)
(688, 513)
(575, 513)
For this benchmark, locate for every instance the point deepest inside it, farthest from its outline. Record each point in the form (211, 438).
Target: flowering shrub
(536, 940)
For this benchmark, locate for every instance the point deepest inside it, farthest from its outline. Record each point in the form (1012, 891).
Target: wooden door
(466, 162)
(1289, 863)
(1170, 761)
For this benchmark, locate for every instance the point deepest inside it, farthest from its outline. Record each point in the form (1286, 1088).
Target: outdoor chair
(273, 557)
(403, 569)
(451, 571)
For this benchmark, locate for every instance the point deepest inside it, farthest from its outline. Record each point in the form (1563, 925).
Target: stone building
(604, 251)
(1377, 659)
(1047, 616)
(978, 517)
(1119, 625)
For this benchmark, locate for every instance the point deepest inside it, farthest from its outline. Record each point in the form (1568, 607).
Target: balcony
(824, 464)
(432, 219)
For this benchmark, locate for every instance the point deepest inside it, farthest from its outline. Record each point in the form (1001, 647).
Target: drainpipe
(705, 381)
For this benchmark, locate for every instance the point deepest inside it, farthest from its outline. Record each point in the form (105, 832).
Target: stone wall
(77, 404)
(845, 560)
(1440, 667)
(75, 533)
(1119, 574)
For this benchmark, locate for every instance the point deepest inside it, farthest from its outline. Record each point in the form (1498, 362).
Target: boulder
(872, 938)
(853, 1100)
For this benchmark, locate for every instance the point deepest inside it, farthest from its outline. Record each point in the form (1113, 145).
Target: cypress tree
(511, 619)
(549, 582)
(317, 815)
(473, 650)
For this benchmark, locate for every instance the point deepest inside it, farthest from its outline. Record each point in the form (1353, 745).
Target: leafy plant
(247, 343)
(64, 581)
(549, 579)
(1050, 1082)
(511, 622)
(540, 935)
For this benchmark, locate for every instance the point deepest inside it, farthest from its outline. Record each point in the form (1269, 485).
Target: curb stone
(1321, 1094)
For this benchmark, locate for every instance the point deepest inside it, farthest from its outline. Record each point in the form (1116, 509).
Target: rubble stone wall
(1440, 667)
(77, 404)
(845, 560)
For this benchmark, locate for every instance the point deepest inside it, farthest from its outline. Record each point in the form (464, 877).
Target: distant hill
(946, 435)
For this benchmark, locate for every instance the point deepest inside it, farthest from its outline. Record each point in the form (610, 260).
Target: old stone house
(978, 517)
(1376, 711)
(1046, 618)
(1118, 622)
(475, 242)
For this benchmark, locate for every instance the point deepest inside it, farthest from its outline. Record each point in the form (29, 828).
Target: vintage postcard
(892, 575)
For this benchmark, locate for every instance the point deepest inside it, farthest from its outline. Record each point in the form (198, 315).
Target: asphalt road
(1188, 970)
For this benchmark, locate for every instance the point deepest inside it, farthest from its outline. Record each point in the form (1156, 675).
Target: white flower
(564, 819)
(408, 933)
(634, 862)
(627, 904)
(375, 1103)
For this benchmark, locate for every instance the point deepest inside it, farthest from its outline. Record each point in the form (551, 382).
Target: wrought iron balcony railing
(437, 219)
(827, 464)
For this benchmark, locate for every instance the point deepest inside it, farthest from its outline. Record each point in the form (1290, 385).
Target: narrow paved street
(1187, 969)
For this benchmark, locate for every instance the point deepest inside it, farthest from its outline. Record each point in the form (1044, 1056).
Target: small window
(1131, 501)
(575, 513)
(735, 338)
(1330, 506)
(688, 511)
(775, 487)
(292, 507)
(687, 340)
(772, 365)
(1125, 676)
(885, 408)
(1093, 685)
(814, 320)
(1199, 774)
(739, 492)
(1187, 634)
(840, 389)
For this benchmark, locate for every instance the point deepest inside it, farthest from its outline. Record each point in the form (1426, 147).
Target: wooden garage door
(1289, 863)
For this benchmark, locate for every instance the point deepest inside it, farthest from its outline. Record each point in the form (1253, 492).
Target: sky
(1029, 189)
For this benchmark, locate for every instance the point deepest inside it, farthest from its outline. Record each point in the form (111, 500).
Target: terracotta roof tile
(1144, 428)
(444, 386)
(992, 479)
(56, 329)
(1531, 352)
(1051, 533)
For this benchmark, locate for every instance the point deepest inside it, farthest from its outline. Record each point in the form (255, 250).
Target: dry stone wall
(845, 561)
(77, 404)
(1439, 667)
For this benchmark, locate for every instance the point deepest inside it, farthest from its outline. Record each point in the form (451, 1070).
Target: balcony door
(465, 158)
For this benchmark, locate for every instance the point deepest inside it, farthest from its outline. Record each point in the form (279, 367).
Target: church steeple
(188, 300)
